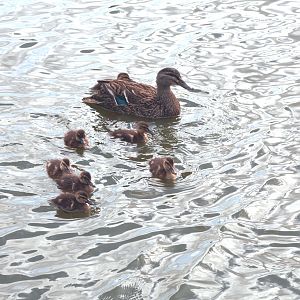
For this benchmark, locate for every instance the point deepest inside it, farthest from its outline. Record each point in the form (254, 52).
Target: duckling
(76, 139)
(124, 76)
(163, 168)
(72, 183)
(69, 202)
(56, 168)
(133, 136)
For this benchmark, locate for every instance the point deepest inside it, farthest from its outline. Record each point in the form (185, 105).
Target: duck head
(170, 76)
(143, 126)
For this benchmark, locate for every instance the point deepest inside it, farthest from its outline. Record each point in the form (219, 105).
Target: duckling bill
(72, 183)
(133, 136)
(76, 139)
(69, 202)
(56, 168)
(163, 168)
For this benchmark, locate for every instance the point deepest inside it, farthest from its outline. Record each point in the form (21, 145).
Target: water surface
(229, 227)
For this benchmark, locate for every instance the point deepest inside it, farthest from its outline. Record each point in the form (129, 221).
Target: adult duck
(123, 95)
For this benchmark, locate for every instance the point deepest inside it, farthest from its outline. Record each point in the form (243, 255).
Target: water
(229, 227)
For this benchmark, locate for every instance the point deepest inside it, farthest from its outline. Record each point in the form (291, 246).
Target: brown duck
(76, 139)
(72, 183)
(163, 168)
(56, 168)
(137, 99)
(69, 202)
(133, 136)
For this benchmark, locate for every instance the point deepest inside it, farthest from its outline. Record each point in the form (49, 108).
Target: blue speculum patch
(121, 100)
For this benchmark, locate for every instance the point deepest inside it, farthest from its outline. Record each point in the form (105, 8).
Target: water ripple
(228, 227)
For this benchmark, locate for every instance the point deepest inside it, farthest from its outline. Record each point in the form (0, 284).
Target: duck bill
(187, 87)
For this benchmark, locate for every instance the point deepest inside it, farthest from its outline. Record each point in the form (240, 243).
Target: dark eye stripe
(177, 76)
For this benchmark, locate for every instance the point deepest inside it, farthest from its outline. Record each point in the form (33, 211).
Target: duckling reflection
(69, 202)
(163, 168)
(138, 135)
(72, 183)
(56, 168)
(76, 139)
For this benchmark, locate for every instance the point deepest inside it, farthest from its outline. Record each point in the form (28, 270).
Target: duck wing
(123, 96)
(124, 93)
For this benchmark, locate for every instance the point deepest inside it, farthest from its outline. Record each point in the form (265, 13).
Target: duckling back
(130, 136)
(71, 183)
(69, 203)
(138, 135)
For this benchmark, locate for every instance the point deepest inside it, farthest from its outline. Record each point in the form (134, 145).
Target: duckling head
(80, 136)
(85, 177)
(168, 165)
(123, 76)
(144, 127)
(163, 168)
(81, 197)
(65, 165)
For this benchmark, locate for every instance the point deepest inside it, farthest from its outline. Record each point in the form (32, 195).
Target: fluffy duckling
(163, 168)
(56, 168)
(69, 202)
(124, 76)
(133, 136)
(76, 139)
(72, 183)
